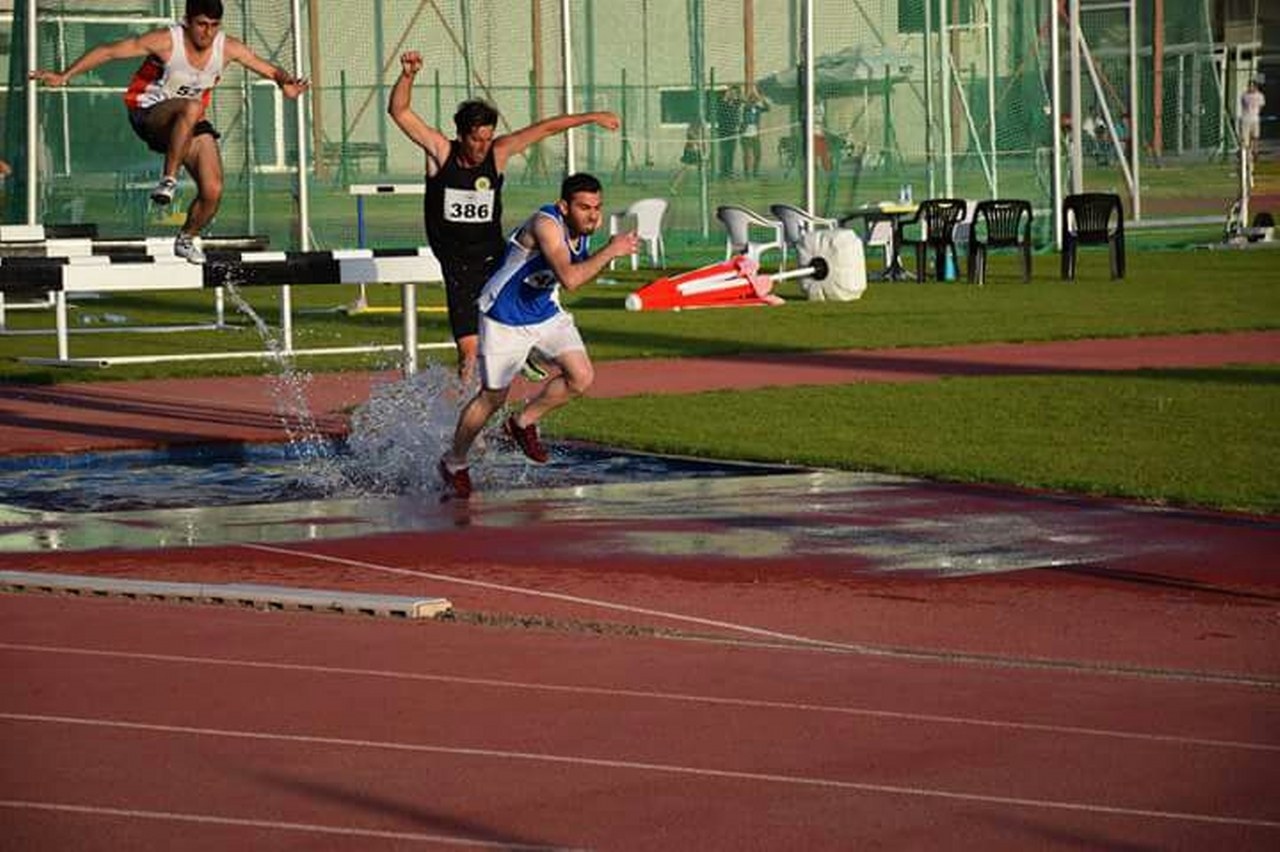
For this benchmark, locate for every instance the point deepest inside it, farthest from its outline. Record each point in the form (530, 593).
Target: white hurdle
(361, 191)
(61, 276)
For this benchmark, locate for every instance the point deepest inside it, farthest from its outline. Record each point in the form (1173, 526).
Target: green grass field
(1183, 437)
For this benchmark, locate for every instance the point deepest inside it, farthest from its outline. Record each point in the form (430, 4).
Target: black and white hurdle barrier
(82, 240)
(65, 275)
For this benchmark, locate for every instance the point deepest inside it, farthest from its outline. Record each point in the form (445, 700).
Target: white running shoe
(163, 193)
(187, 246)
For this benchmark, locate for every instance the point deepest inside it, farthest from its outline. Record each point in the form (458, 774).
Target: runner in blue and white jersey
(519, 310)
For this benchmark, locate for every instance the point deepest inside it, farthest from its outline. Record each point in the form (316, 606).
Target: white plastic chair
(797, 222)
(738, 222)
(649, 214)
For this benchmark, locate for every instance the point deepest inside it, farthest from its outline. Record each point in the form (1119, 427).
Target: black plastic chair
(939, 217)
(1087, 221)
(999, 223)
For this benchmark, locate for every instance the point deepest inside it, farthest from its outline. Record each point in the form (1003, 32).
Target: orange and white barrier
(732, 283)
(834, 270)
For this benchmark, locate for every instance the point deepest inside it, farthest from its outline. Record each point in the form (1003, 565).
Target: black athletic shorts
(155, 132)
(464, 278)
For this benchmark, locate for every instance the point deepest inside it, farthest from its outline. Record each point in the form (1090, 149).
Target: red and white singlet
(158, 81)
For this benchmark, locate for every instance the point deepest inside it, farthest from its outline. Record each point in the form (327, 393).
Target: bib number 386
(468, 205)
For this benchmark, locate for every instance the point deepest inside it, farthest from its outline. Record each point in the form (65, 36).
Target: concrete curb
(233, 594)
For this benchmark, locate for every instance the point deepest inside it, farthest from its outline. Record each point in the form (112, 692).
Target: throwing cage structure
(977, 99)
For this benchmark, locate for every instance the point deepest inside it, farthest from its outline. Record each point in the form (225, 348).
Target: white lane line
(801, 641)
(208, 819)
(638, 766)
(559, 596)
(714, 700)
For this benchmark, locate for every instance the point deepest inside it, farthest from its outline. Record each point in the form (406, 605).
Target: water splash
(400, 432)
(395, 438)
(288, 386)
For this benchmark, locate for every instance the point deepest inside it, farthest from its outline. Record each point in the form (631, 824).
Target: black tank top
(463, 209)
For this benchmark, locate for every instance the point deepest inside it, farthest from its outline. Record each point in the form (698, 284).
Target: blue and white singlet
(523, 290)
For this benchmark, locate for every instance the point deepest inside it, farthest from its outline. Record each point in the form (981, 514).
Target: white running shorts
(505, 348)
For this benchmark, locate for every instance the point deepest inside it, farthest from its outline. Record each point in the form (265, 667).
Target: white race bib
(470, 206)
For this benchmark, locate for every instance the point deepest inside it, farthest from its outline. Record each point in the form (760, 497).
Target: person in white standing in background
(1251, 103)
(167, 99)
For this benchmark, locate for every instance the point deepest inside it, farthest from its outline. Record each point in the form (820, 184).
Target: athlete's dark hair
(472, 114)
(208, 8)
(581, 182)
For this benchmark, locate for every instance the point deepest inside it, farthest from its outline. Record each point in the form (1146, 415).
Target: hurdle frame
(96, 273)
(361, 191)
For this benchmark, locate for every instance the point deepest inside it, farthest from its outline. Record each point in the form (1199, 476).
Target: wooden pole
(749, 43)
(537, 166)
(317, 102)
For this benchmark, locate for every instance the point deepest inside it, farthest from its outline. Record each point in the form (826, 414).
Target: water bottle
(909, 193)
(902, 193)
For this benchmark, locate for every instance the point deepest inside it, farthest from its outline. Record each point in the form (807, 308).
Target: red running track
(136, 725)
(902, 666)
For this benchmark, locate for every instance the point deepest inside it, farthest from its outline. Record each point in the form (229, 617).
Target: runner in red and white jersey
(167, 99)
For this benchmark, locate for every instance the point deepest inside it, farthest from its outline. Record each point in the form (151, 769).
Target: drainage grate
(231, 594)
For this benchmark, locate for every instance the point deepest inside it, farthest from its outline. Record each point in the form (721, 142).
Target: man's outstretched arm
(427, 137)
(238, 51)
(516, 142)
(155, 42)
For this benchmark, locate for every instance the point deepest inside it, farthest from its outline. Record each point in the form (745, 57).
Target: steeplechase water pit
(589, 500)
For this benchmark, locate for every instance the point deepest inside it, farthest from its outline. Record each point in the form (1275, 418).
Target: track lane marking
(640, 766)
(794, 639)
(723, 701)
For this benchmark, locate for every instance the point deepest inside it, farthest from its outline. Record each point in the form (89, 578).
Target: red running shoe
(458, 481)
(526, 438)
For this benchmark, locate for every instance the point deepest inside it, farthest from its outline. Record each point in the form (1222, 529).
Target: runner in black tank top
(463, 209)
(466, 238)
(463, 214)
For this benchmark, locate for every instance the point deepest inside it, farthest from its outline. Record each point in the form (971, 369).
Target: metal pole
(304, 167)
(810, 189)
(928, 99)
(991, 97)
(1135, 125)
(409, 323)
(1181, 111)
(944, 63)
(1055, 103)
(379, 49)
(697, 61)
(62, 100)
(644, 79)
(33, 136)
(304, 205)
(246, 105)
(1157, 78)
(566, 61)
(1077, 143)
(1244, 184)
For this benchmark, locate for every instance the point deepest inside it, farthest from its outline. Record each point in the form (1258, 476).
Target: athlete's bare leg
(475, 414)
(576, 375)
(185, 113)
(468, 350)
(204, 163)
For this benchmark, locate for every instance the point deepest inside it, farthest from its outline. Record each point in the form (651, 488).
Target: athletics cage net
(853, 101)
